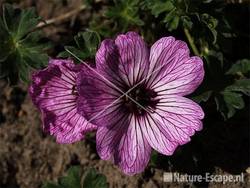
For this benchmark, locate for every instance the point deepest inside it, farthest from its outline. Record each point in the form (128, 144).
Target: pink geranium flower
(153, 112)
(54, 92)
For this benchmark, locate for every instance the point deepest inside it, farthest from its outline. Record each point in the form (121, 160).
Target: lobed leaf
(242, 85)
(87, 44)
(94, 180)
(242, 66)
(20, 45)
(72, 180)
(159, 7)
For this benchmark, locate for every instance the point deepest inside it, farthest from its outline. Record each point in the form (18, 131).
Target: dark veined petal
(53, 91)
(107, 63)
(157, 136)
(174, 72)
(133, 57)
(125, 60)
(173, 122)
(97, 98)
(124, 143)
(107, 137)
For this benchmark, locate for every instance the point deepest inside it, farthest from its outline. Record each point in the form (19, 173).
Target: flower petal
(107, 62)
(173, 71)
(124, 143)
(53, 92)
(124, 61)
(180, 105)
(97, 98)
(133, 56)
(173, 122)
(134, 150)
(157, 135)
(107, 137)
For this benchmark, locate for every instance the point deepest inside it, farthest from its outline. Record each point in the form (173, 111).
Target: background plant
(21, 48)
(75, 178)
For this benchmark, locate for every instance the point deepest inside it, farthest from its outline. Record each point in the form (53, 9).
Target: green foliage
(86, 46)
(72, 180)
(242, 85)
(168, 9)
(228, 102)
(202, 97)
(92, 179)
(125, 13)
(240, 67)
(233, 98)
(20, 44)
(120, 16)
(154, 158)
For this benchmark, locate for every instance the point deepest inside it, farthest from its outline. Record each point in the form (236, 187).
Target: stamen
(74, 90)
(143, 96)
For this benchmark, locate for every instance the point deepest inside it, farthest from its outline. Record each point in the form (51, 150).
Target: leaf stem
(191, 42)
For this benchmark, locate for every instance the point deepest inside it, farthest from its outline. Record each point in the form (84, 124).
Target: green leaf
(89, 41)
(242, 66)
(72, 180)
(233, 101)
(9, 17)
(242, 85)
(11, 67)
(174, 23)
(172, 20)
(211, 23)
(5, 44)
(24, 71)
(160, 7)
(221, 106)
(20, 45)
(19, 22)
(125, 14)
(78, 54)
(202, 97)
(228, 102)
(94, 180)
(87, 44)
(169, 16)
(154, 158)
(187, 22)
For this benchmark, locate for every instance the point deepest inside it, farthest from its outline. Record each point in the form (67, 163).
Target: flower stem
(191, 42)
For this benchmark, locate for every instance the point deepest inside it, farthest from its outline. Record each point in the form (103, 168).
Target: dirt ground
(28, 157)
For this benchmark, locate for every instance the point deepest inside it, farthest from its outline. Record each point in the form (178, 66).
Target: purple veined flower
(158, 117)
(53, 91)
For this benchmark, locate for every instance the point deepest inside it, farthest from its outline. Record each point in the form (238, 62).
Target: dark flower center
(74, 90)
(144, 100)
